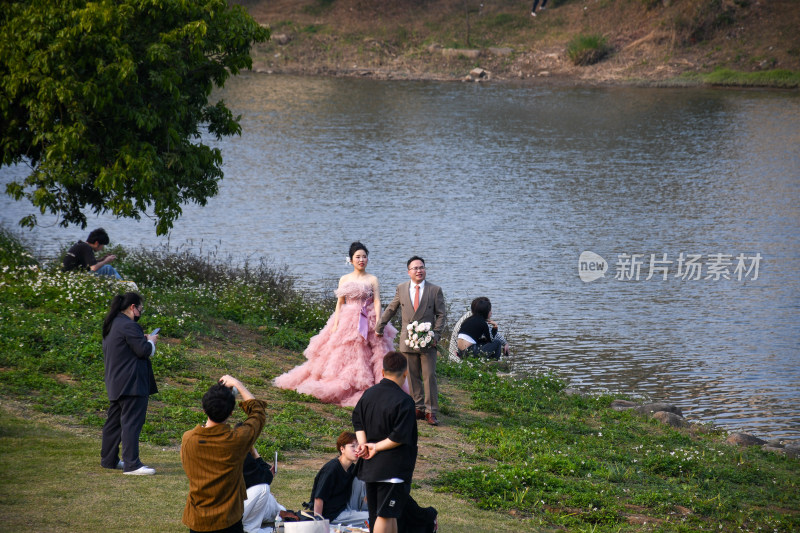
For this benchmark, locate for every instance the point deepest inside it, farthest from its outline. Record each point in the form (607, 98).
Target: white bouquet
(419, 335)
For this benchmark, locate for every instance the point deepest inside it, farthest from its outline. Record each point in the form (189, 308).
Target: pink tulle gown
(342, 364)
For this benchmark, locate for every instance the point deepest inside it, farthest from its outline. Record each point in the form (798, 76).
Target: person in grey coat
(129, 383)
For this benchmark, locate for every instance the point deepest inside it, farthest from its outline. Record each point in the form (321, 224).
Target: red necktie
(416, 297)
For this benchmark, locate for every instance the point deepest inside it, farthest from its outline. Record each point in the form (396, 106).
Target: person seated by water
(81, 255)
(260, 505)
(478, 334)
(337, 494)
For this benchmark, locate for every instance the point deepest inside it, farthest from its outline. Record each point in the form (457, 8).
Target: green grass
(51, 347)
(50, 480)
(725, 77)
(514, 454)
(311, 28)
(575, 462)
(504, 22)
(786, 79)
(587, 49)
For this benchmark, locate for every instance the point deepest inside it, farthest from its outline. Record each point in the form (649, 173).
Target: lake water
(501, 188)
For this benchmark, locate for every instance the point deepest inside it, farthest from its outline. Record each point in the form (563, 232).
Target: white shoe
(533, 14)
(141, 471)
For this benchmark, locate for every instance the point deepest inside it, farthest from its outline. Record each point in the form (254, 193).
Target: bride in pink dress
(346, 357)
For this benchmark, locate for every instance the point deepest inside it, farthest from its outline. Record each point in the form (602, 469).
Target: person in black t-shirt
(337, 494)
(81, 255)
(260, 505)
(478, 333)
(386, 428)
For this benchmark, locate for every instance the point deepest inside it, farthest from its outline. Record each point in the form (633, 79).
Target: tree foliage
(106, 100)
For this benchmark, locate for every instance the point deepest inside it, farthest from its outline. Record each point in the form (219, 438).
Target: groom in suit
(423, 302)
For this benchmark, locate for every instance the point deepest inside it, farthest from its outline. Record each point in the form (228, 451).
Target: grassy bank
(512, 454)
(644, 42)
(724, 77)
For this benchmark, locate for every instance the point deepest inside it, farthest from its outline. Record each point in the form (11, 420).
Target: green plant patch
(767, 78)
(575, 463)
(587, 49)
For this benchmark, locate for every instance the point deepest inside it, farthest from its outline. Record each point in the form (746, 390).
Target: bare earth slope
(652, 41)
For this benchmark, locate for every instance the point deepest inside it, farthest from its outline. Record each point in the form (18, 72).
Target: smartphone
(276, 461)
(155, 331)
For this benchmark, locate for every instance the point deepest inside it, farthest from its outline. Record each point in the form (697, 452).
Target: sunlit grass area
(514, 453)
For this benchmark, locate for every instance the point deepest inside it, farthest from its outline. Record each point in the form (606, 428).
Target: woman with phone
(129, 383)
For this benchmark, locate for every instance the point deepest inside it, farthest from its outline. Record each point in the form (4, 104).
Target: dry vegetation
(652, 41)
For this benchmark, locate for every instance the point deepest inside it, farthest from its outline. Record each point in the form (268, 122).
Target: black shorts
(386, 500)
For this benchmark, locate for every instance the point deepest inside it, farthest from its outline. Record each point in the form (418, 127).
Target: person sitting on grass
(478, 334)
(260, 505)
(415, 519)
(337, 494)
(81, 255)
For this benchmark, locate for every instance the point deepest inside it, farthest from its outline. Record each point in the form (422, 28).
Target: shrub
(12, 252)
(585, 50)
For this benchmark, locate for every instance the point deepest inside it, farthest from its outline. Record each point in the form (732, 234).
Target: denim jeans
(491, 350)
(107, 270)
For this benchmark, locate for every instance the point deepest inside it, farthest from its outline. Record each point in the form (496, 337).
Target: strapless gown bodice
(343, 363)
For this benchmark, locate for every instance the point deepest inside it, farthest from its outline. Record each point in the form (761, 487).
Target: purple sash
(363, 320)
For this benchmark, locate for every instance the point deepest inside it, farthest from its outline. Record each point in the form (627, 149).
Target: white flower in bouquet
(420, 335)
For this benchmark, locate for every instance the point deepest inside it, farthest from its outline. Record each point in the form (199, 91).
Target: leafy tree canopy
(105, 101)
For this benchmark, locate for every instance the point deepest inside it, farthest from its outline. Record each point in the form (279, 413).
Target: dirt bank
(652, 42)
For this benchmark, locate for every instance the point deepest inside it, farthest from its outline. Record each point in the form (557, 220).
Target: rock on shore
(672, 415)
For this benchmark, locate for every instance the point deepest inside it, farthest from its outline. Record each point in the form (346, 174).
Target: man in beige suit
(423, 302)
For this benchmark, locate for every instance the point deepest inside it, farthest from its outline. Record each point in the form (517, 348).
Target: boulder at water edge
(743, 439)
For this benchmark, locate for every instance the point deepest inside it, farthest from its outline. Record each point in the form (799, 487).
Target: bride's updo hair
(356, 246)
